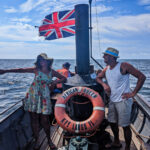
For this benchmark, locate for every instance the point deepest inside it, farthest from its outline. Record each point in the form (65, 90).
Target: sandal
(52, 146)
(112, 145)
(36, 146)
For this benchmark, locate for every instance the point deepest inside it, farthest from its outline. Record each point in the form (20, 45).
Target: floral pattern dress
(38, 96)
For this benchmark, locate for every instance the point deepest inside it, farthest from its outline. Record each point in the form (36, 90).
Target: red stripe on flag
(46, 20)
(65, 29)
(47, 33)
(55, 17)
(45, 27)
(56, 24)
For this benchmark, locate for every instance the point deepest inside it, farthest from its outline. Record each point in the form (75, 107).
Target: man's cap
(112, 51)
(66, 64)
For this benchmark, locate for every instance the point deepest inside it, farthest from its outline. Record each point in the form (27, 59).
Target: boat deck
(121, 137)
(56, 135)
(57, 138)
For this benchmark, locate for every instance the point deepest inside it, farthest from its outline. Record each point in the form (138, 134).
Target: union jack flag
(58, 25)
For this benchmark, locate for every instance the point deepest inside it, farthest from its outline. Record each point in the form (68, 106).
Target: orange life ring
(83, 126)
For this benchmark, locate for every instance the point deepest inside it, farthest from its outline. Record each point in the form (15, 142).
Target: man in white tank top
(118, 88)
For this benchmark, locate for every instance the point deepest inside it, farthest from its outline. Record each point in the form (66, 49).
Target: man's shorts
(120, 112)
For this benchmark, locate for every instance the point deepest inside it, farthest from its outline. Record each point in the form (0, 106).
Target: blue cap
(66, 64)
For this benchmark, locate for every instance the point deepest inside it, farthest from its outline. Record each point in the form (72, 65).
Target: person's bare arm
(19, 70)
(71, 73)
(128, 68)
(61, 78)
(99, 78)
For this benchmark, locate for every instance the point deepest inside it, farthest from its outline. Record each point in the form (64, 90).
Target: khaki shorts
(120, 112)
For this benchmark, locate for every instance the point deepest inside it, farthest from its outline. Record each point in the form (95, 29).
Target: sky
(122, 24)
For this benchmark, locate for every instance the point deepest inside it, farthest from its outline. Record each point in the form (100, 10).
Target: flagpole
(90, 41)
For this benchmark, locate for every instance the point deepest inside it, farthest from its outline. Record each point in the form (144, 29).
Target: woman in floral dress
(37, 101)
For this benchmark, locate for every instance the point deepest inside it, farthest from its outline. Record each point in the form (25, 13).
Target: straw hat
(43, 56)
(112, 51)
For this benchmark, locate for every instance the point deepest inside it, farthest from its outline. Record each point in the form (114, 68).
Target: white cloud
(52, 5)
(127, 33)
(101, 8)
(124, 24)
(27, 6)
(144, 2)
(46, 7)
(25, 19)
(19, 32)
(25, 32)
(76, 1)
(10, 10)
(147, 7)
(119, 26)
(31, 4)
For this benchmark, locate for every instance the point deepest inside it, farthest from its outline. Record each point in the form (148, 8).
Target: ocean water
(13, 86)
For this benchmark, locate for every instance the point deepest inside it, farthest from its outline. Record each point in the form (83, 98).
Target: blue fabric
(111, 53)
(57, 91)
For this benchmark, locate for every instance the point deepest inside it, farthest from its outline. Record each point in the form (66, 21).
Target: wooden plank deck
(56, 135)
(135, 144)
(121, 137)
(57, 138)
